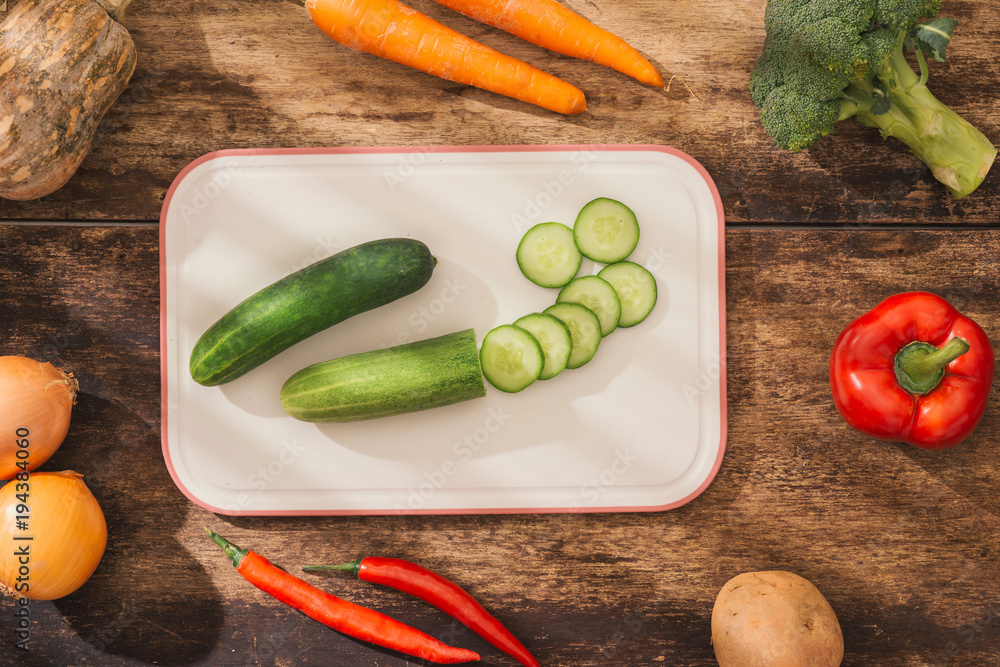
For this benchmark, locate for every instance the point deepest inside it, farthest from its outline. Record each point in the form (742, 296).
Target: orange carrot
(548, 24)
(391, 30)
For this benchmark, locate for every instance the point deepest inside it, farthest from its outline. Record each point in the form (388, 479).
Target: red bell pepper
(914, 370)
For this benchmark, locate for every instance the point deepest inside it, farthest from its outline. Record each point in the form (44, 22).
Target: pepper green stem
(354, 567)
(920, 366)
(233, 551)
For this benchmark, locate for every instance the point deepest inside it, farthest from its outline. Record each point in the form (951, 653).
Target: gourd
(63, 63)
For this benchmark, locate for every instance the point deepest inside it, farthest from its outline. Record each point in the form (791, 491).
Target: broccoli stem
(957, 153)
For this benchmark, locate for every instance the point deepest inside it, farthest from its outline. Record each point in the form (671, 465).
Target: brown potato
(774, 619)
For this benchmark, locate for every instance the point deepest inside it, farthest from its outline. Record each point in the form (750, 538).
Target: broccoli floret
(824, 61)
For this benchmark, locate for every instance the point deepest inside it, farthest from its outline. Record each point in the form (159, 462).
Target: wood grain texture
(228, 74)
(902, 542)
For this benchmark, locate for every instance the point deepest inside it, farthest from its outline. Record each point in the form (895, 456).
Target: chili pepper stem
(234, 552)
(920, 366)
(354, 567)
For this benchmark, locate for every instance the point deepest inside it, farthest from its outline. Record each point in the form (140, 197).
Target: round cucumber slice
(547, 254)
(636, 288)
(584, 328)
(606, 230)
(554, 337)
(596, 294)
(511, 358)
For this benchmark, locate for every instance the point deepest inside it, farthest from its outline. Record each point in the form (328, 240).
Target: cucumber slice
(636, 290)
(548, 256)
(584, 329)
(554, 337)
(511, 358)
(606, 230)
(596, 294)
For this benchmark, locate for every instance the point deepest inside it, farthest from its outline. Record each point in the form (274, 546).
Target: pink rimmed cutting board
(641, 427)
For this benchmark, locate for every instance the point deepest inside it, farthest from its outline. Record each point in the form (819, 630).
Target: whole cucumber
(308, 301)
(381, 383)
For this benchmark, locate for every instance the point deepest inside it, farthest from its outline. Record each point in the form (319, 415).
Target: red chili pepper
(913, 369)
(440, 592)
(341, 615)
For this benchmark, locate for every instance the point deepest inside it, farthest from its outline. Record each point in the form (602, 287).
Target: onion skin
(37, 399)
(65, 537)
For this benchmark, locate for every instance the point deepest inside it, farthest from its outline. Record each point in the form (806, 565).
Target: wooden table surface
(904, 543)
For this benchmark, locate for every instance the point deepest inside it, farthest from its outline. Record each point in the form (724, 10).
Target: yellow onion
(36, 400)
(52, 535)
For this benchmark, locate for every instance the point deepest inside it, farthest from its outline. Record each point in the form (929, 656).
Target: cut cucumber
(636, 290)
(596, 294)
(606, 230)
(554, 337)
(511, 358)
(584, 328)
(548, 256)
(381, 383)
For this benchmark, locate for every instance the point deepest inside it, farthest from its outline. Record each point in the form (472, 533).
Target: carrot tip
(576, 106)
(649, 76)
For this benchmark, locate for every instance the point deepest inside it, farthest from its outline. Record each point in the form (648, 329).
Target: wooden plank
(228, 74)
(901, 541)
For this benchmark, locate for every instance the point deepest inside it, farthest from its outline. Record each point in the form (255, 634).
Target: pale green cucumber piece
(596, 294)
(306, 302)
(406, 378)
(511, 358)
(636, 288)
(547, 254)
(554, 337)
(606, 230)
(584, 328)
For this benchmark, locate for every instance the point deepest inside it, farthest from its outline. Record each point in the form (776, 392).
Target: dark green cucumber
(381, 383)
(308, 301)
